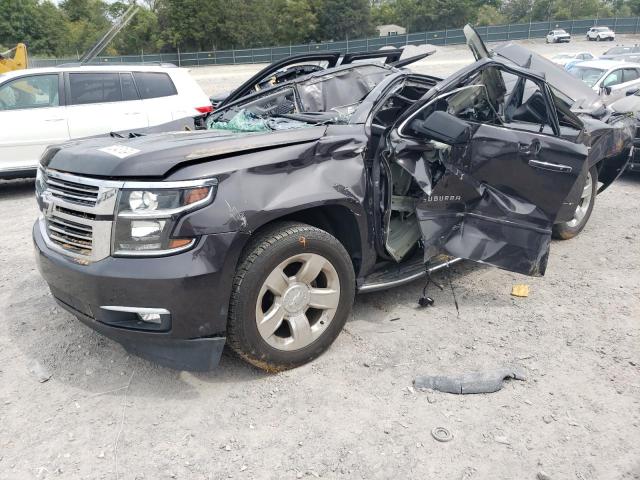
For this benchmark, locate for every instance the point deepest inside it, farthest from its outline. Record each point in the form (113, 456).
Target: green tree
(40, 25)
(293, 21)
(339, 19)
(490, 15)
(141, 34)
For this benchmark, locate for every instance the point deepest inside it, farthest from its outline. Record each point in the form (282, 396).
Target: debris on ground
(520, 290)
(41, 373)
(441, 434)
(542, 476)
(474, 382)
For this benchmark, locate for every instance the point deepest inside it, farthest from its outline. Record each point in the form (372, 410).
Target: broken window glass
(340, 89)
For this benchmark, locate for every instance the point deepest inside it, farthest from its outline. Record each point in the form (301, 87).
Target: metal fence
(493, 33)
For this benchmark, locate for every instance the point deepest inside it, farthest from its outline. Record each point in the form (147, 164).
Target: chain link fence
(493, 33)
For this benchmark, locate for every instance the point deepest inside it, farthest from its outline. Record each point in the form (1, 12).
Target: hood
(154, 156)
(583, 96)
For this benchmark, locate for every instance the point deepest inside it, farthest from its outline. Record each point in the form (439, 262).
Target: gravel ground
(352, 413)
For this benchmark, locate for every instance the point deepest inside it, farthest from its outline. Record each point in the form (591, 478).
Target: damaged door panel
(493, 171)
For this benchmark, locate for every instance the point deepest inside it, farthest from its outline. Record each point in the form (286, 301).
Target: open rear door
(281, 71)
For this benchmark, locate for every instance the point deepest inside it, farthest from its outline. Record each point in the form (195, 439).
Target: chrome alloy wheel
(297, 301)
(583, 204)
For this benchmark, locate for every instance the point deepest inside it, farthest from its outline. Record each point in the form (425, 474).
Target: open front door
(493, 171)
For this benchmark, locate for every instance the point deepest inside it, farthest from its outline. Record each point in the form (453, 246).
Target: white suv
(601, 33)
(45, 106)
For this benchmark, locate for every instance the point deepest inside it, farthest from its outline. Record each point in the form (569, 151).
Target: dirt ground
(352, 413)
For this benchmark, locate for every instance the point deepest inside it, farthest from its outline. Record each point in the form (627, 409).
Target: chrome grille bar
(77, 214)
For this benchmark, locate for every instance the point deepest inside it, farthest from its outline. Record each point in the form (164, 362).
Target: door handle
(133, 113)
(554, 167)
(54, 119)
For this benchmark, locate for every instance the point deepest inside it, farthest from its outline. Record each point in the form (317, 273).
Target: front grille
(72, 192)
(69, 235)
(77, 213)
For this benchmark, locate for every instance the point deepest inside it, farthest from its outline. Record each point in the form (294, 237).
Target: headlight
(40, 182)
(147, 214)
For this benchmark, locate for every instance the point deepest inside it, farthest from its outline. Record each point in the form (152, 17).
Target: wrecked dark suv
(258, 232)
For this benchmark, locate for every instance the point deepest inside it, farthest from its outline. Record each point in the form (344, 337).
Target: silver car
(611, 79)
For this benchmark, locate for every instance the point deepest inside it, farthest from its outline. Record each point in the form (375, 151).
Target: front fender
(267, 185)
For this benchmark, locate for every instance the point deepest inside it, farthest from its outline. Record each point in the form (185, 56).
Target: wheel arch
(335, 219)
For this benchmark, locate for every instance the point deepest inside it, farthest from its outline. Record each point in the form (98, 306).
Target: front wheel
(291, 297)
(567, 230)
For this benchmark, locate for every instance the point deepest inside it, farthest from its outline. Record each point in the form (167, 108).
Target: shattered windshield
(589, 75)
(245, 121)
(322, 99)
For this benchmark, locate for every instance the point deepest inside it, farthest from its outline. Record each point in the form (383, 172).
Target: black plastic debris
(474, 382)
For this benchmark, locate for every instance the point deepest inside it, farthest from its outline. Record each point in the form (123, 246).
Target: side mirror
(632, 91)
(443, 127)
(605, 90)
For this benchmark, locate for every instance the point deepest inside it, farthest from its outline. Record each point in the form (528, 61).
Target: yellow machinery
(14, 59)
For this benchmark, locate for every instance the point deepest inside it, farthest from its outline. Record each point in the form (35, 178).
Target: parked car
(601, 33)
(258, 232)
(615, 52)
(558, 36)
(625, 57)
(609, 78)
(567, 60)
(48, 106)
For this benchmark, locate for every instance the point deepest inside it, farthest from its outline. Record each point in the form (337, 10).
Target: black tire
(567, 230)
(263, 254)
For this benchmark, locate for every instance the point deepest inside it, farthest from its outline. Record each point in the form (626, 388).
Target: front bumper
(193, 286)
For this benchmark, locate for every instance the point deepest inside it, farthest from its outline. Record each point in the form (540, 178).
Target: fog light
(147, 228)
(151, 318)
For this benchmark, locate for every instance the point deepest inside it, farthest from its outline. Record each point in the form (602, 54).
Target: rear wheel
(292, 294)
(567, 230)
